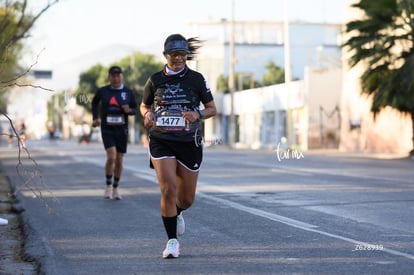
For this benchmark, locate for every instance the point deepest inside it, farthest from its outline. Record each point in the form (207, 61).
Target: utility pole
(288, 73)
(231, 82)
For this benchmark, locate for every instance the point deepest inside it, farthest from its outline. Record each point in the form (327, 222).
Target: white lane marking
(285, 220)
(298, 224)
(257, 212)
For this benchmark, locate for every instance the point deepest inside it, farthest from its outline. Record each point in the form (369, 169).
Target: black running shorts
(188, 154)
(116, 137)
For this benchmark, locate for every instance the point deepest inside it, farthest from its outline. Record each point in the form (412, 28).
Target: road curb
(11, 235)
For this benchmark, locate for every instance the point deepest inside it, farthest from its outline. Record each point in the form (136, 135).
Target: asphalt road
(255, 213)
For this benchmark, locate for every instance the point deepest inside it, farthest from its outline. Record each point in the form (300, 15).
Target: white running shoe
(180, 224)
(115, 194)
(108, 192)
(172, 249)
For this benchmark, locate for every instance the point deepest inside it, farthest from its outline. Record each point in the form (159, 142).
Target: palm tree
(382, 40)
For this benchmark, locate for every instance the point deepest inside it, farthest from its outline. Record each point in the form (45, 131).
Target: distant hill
(66, 75)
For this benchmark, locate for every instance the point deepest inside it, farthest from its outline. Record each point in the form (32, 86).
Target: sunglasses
(178, 53)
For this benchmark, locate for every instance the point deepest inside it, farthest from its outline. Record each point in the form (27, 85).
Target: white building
(266, 115)
(257, 43)
(321, 107)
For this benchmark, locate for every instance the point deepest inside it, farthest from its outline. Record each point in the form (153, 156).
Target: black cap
(115, 70)
(176, 42)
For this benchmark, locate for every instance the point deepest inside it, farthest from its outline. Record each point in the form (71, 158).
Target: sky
(73, 28)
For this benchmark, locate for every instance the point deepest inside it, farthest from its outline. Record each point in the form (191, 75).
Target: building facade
(287, 113)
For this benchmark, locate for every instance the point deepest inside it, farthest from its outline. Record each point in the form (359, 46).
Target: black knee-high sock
(108, 179)
(116, 182)
(170, 225)
(179, 210)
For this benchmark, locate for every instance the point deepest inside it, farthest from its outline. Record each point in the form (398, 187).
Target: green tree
(89, 82)
(382, 41)
(243, 82)
(274, 74)
(222, 84)
(15, 24)
(136, 70)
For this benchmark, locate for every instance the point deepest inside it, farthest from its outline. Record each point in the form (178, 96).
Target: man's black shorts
(188, 154)
(115, 136)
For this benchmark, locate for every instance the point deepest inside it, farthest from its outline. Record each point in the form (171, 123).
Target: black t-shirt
(170, 95)
(111, 99)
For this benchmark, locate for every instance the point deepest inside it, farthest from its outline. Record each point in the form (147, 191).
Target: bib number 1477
(170, 121)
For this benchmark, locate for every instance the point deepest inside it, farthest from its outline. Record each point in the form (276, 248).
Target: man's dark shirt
(111, 113)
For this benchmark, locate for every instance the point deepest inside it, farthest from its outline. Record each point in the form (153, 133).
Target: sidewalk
(11, 235)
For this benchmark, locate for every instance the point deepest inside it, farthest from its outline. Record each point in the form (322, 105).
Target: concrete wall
(323, 87)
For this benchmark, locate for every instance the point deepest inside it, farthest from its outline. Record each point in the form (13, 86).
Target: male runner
(117, 102)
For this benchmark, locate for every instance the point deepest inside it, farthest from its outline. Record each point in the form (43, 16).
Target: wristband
(201, 113)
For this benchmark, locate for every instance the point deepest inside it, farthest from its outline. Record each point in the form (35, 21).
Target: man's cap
(176, 42)
(115, 70)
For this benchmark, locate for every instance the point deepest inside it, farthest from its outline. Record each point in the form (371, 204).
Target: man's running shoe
(115, 194)
(172, 249)
(108, 192)
(180, 224)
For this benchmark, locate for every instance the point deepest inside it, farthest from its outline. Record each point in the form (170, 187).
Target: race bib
(171, 123)
(115, 119)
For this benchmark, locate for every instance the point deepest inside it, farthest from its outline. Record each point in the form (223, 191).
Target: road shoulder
(11, 235)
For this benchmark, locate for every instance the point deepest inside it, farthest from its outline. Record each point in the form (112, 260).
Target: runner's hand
(96, 123)
(190, 116)
(126, 108)
(149, 120)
